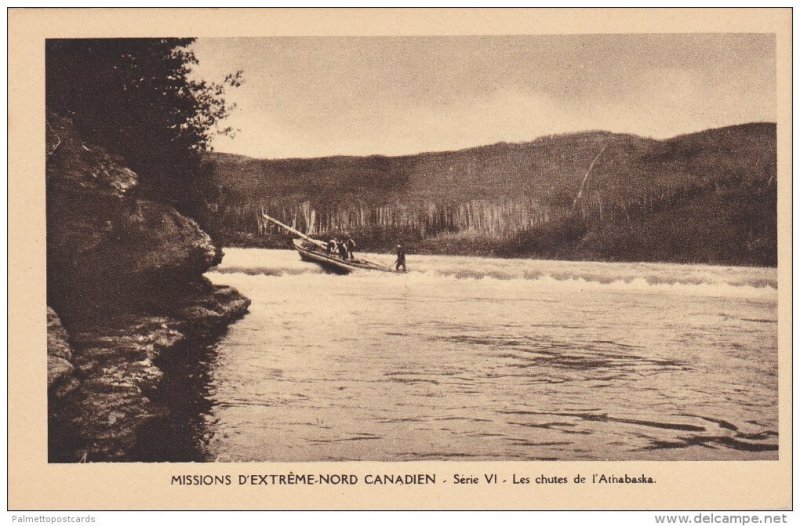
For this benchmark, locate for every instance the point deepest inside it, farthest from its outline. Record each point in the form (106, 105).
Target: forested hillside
(707, 197)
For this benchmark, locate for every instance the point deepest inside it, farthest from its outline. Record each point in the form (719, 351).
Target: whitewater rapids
(492, 359)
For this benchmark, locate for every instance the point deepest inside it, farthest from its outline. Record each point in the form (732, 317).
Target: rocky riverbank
(126, 293)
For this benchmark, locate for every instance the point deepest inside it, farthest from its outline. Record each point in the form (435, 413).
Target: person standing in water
(401, 259)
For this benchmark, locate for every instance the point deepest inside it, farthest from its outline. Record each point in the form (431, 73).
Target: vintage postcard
(400, 259)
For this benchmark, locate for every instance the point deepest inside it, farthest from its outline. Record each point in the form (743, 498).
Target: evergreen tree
(137, 99)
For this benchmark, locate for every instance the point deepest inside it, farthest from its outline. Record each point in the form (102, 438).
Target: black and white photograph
(405, 248)
(420, 259)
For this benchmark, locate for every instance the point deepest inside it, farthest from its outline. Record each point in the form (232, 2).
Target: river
(468, 358)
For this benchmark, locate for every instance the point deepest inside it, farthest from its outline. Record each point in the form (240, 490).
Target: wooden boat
(316, 251)
(311, 252)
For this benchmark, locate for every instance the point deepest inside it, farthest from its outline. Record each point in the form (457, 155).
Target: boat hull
(331, 263)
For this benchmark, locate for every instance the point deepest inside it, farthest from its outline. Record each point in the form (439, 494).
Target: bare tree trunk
(586, 178)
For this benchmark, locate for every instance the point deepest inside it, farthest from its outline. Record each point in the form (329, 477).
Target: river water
(468, 358)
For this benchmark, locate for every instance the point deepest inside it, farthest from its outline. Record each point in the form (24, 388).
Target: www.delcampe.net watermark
(722, 518)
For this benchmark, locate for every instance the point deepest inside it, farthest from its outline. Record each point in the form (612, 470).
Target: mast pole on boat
(293, 230)
(316, 242)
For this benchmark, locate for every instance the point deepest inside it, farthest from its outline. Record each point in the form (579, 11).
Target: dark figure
(350, 245)
(401, 258)
(342, 249)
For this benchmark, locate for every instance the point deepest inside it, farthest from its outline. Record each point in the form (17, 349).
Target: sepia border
(34, 484)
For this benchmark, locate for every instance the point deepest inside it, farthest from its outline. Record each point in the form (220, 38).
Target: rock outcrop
(118, 361)
(125, 278)
(60, 371)
(106, 247)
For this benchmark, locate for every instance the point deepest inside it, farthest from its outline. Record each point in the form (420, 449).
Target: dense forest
(707, 197)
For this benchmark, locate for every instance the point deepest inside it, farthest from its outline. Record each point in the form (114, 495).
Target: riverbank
(708, 197)
(610, 245)
(125, 291)
(117, 390)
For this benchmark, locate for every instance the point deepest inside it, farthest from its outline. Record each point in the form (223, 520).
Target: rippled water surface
(487, 359)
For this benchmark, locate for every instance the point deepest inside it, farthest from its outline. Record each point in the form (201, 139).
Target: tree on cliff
(136, 98)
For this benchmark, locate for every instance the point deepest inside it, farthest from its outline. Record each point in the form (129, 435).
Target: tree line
(137, 99)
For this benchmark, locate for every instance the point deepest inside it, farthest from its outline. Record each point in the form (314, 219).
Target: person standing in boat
(342, 248)
(350, 245)
(401, 259)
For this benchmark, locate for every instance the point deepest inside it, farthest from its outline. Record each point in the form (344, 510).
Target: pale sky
(318, 96)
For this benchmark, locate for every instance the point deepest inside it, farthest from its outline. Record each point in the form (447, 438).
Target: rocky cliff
(125, 292)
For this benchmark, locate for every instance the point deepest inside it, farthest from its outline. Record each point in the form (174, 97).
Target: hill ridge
(490, 145)
(517, 199)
